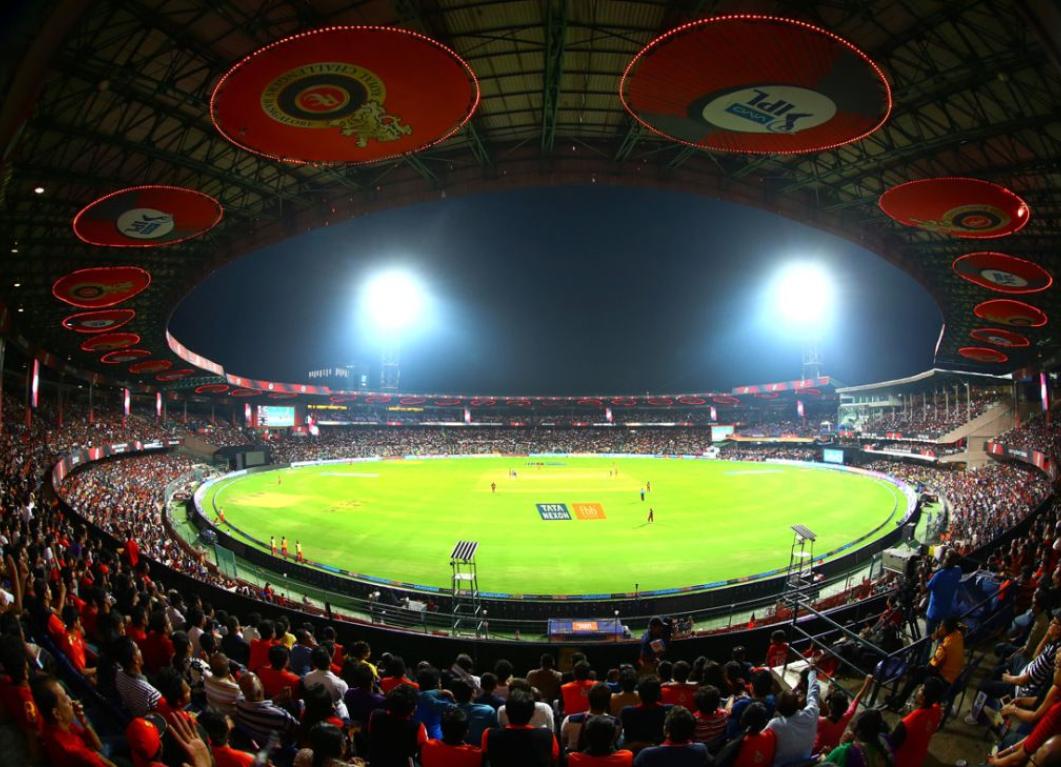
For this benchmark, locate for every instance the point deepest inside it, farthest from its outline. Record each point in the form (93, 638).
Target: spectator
(868, 747)
(911, 736)
(942, 587)
(137, 694)
(643, 723)
(831, 727)
(218, 727)
(361, 698)
(431, 702)
(68, 737)
(575, 694)
(574, 724)
(222, 691)
(451, 750)
(678, 749)
(546, 679)
(679, 692)
(394, 737)
(479, 716)
(259, 717)
(488, 684)
(777, 652)
(277, 680)
(543, 712)
(796, 723)
(600, 751)
(322, 674)
(518, 743)
(754, 746)
(710, 717)
(946, 662)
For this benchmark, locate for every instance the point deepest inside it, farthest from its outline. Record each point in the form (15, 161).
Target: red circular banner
(412, 400)
(244, 393)
(378, 399)
(175, 375)
(447, 401)
(660, 401)
(1002, 273)
(345, 94)
(809, 392)
(211, 388)
(147, 217)
(483, 402)
(756, 85)
(150, 366)
(110, 341)
(1000, 337)
(100, 286)
(725, 399)
(982, 354)
(124, 355)
(1007, 311)
(959, 207)
(766, 395)
(590, 402)
(518, 402)
(686, 399)
(282, 395)
(624, 401)
(98, 322)
(338, 399)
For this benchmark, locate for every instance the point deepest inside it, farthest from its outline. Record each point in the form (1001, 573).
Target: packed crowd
(802, 428)
(931, 419)
(735, 451)
(339, 442)
(916, 448)
(1036, 434)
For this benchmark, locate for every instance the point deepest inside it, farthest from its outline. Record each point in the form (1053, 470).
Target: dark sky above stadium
(562, 291)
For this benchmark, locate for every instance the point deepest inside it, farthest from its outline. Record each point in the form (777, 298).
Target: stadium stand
(92, 614)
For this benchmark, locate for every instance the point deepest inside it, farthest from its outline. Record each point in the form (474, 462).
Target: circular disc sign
(1006, 311)
(110, 341)
(124, 355)
(345, 94)
(147, 217)
(1000, 337)
(755, 84)
(100, 286)
(98, 322)
(1002, 273)
(175, 375)
(244, 393)
(211, 388)
(958, 207)
(982, 354)
(151, 366)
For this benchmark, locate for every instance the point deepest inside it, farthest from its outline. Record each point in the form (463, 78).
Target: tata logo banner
(553, 511)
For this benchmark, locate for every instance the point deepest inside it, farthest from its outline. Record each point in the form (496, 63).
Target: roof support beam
(555, 41)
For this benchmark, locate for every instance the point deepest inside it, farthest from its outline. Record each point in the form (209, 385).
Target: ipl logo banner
(765, 109)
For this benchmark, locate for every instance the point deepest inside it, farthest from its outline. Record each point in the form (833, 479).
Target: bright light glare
(393, 301)
(803, 294)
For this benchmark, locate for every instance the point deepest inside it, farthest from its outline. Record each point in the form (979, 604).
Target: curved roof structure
(107, 95)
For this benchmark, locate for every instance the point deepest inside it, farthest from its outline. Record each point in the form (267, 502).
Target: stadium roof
(929, 380)
(111, 94)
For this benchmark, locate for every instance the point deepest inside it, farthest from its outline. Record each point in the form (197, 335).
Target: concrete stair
(992, 422)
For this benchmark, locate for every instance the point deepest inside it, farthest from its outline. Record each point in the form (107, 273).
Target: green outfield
(714, 520)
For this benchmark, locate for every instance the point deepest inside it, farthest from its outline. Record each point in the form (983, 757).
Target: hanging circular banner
(518, 402)
(124, 355)
(1002, 273)
(756, 85)
(809, 392)
(98, 322)
(281, 395)
(110, 341)
(982, 354)
(212, 388)
(766, 395)
(958, 207)
(100, 286)
(345, 95)
(147, 217)
(688, 399)
(151, 366)
(1000, 337)
(338, 399)
(725, 399)
(1007, 311)
(175, 375)
(244, 393)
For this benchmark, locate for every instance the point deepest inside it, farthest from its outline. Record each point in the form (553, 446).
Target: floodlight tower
(394, 301)
(803, 294)
(812, 359)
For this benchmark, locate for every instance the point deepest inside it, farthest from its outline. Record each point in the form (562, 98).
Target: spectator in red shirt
(136, 629)
(575, 694)
(68, 737)
(832, 726)
(451, 750)
(259, 657)
(710, 718)
(73, 643)
(276, 677)
(157, 647)
(16, 698)
(395, 675)
(911, 736)
(599, 734)
(680, 691)
(756, 746)
(777, 652)
(218, 726)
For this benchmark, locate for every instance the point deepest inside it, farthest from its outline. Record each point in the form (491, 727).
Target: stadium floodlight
(802, 296)
(393, 300)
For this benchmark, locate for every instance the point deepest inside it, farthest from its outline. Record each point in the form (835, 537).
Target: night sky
(562, 291)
